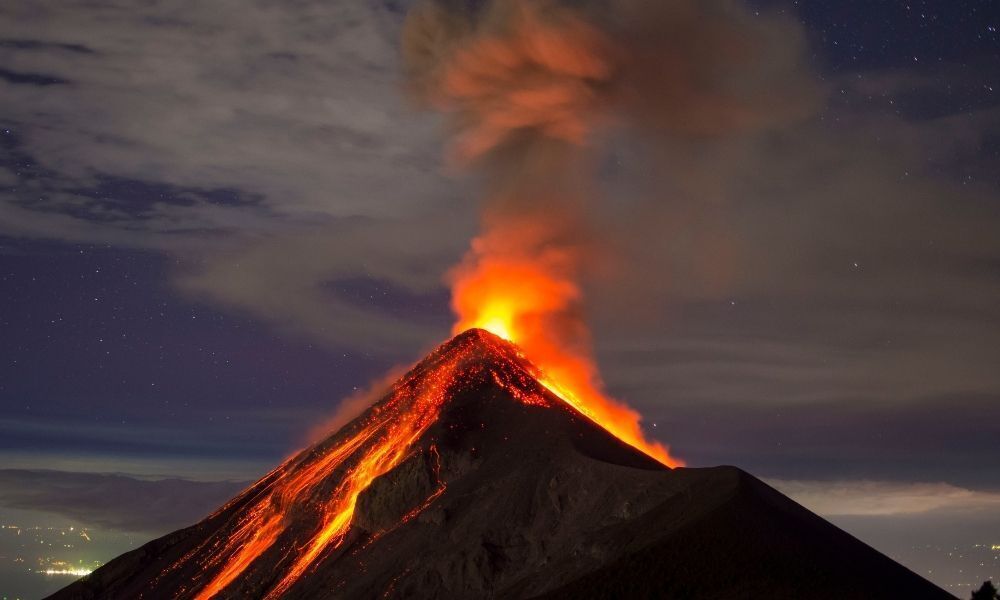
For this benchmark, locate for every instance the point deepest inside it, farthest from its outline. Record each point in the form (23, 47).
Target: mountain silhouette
(470, 479)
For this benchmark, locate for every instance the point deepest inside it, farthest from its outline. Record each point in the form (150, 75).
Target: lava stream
(373, 446)
(378, 445)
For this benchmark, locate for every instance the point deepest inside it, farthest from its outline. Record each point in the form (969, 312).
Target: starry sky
(218, 220)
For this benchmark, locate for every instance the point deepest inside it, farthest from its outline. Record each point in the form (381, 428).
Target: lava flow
(302, 512)
(370, 447)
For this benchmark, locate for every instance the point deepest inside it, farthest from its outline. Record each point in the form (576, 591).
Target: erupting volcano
(472, 478)
(497, 467)
(525, 301)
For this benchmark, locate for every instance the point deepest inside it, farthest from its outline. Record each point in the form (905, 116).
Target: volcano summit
(470, 479)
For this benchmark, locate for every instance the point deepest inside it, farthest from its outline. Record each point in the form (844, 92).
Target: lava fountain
(528, 294)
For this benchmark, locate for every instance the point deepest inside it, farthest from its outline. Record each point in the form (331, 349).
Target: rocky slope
(499, 490)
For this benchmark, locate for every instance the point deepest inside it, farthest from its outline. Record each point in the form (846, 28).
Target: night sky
(218, 220)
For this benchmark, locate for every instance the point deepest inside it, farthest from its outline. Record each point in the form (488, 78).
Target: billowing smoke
(519, 75)
(527, 84)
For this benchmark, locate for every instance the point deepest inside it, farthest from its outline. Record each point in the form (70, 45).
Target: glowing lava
(322, 484)
(301, 513)
(532, 299)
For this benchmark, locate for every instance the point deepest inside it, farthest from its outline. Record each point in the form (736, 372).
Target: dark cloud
(252, 151)
(107, 199)
(115, 501)
(38, 79)
(39, 45)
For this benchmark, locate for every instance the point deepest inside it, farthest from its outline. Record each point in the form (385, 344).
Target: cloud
(208, 98)
(115, 501)
(294, 113)
(889, 499)
(288, 280)
(239, 130)
(300, 109)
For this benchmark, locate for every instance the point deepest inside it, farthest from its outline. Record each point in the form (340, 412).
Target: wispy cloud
(115, 501)
(883, 498)
(268, 149)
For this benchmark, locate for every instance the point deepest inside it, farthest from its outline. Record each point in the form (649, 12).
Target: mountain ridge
(498, 489)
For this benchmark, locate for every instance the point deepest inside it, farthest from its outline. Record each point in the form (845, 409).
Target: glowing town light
(71, 571)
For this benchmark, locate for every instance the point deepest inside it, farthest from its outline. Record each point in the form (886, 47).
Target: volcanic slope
(471, 480)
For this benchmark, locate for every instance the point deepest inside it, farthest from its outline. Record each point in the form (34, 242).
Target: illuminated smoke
(525, 84)
(516, 73)
(525, 72)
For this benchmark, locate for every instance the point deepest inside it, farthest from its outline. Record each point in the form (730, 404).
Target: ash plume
(522, 75)
(527, 85)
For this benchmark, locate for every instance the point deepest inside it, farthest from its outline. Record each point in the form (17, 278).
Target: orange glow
(301, 513)
(382, 439)
(537, 68)
(258, 532)
(500, 295)
(379, 459)
(530, 298)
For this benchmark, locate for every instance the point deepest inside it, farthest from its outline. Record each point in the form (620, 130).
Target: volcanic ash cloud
(519, 73)
(525, 85)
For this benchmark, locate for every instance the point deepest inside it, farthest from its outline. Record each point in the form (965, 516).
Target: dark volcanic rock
(503, 499)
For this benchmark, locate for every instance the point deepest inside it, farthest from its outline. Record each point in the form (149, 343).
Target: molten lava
(470, 478)
(368, 448)
(301, 513)
(531, 299)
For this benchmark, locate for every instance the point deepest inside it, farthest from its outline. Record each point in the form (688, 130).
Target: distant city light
(71, 571)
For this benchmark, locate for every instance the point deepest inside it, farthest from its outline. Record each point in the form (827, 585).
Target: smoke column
(525, 85)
